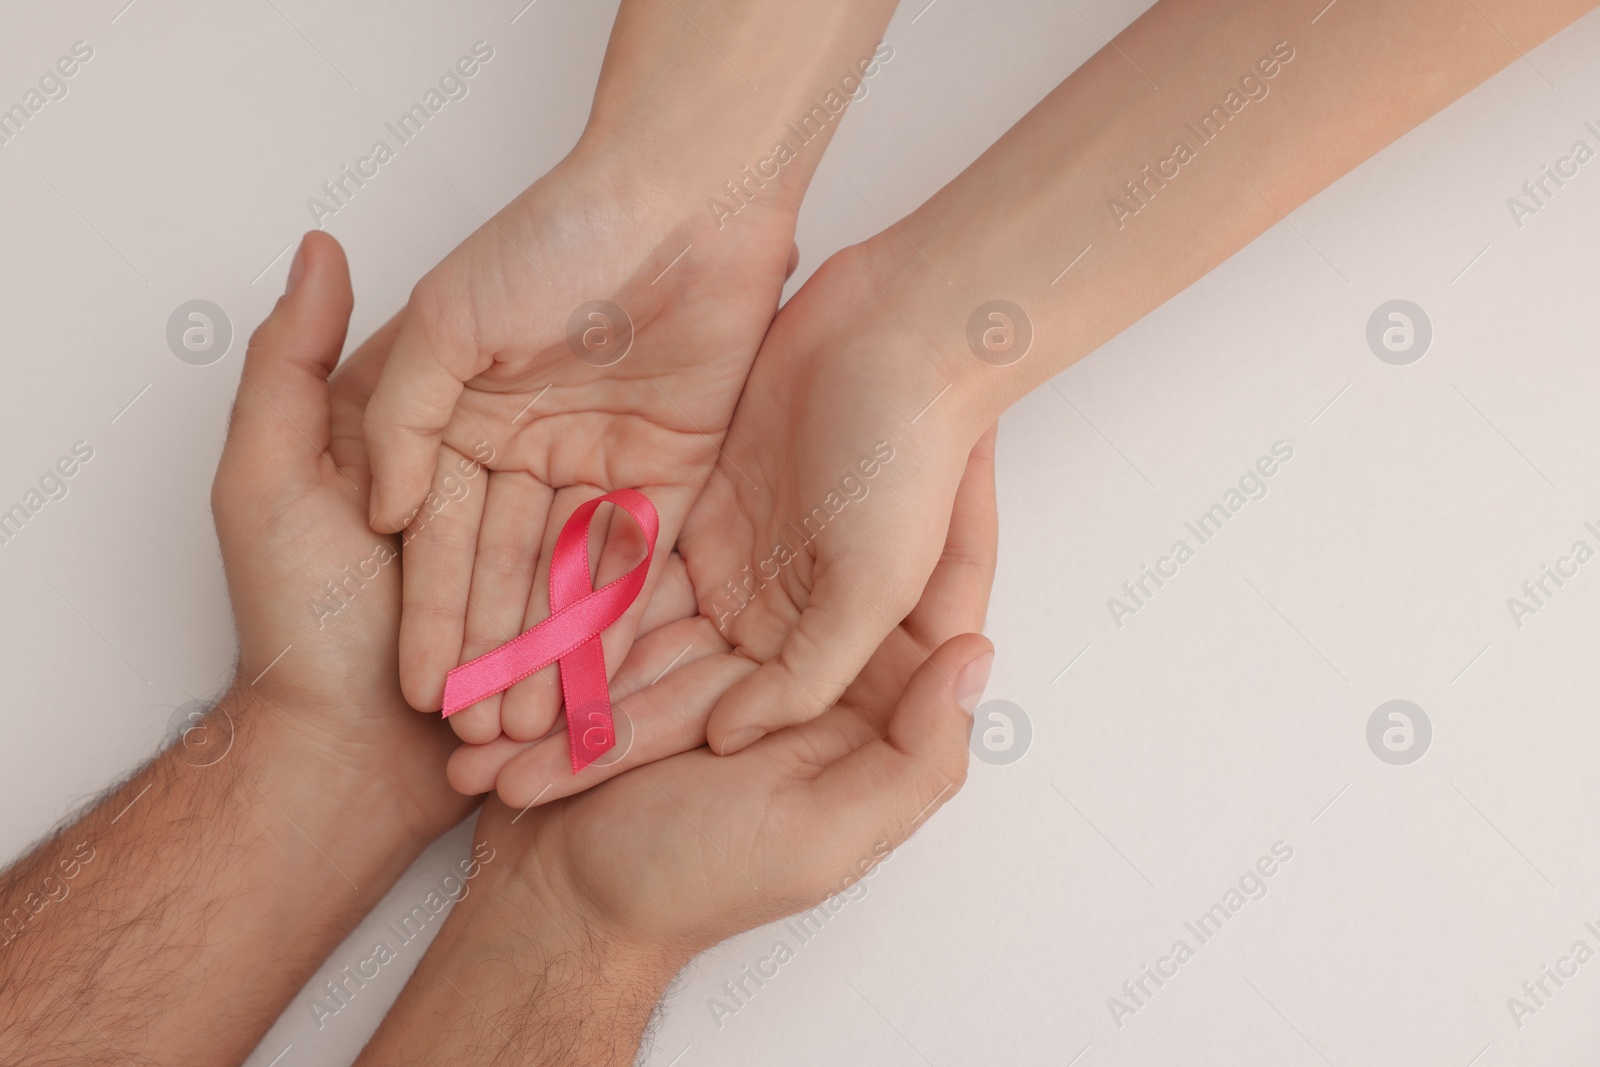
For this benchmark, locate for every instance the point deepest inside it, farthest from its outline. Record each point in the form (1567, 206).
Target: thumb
(281, 412)
(831, 642)
(414, 399)
(892, 784)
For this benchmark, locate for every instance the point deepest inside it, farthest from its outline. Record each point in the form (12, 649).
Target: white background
(1227, 715)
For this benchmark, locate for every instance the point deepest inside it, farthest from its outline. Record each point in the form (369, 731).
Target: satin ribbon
(570, 636)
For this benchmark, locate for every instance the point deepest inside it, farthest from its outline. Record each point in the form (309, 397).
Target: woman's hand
(505, 355)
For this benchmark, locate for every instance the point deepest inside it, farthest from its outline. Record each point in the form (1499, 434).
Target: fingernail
(297, 268)
(742, 739)
(971, 681)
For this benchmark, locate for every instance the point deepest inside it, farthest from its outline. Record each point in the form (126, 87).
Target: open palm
(573, 345)
(816, 533)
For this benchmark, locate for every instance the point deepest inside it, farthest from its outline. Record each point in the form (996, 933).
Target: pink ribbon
(571, 635)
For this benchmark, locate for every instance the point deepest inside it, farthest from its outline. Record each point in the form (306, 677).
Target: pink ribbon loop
(571, 635)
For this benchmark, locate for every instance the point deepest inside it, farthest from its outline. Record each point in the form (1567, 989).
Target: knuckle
(427, 620)
(506, 563)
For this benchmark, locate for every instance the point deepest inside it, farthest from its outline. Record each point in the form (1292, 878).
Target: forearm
(188, 907)
(509, 981)
(1141, 191)
(730, 103)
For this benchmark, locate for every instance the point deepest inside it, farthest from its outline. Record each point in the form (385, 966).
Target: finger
(794, 261)
(434, 353)
(358, 373)
(656, 654)
(474, 767)
(515, 511)
(892, 784)
(673, 598)
(956, 598)
(436, 571)
(663, 720)
(351, 387)
(282, 407)
(832, 640)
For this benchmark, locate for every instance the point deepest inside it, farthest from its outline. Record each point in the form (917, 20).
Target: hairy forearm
(173, 921)
(699, 95)
(1158, 159)
(510, 981)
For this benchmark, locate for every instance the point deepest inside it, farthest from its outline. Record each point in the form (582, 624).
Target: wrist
(900, 306)
(548, 938)
(694, 188)
(518, 968)
(348, 788)
(709, 118)
(533, 896)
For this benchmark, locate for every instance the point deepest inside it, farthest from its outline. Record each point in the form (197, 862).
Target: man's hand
(602, 897)
(316, 593)
(213, 883)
